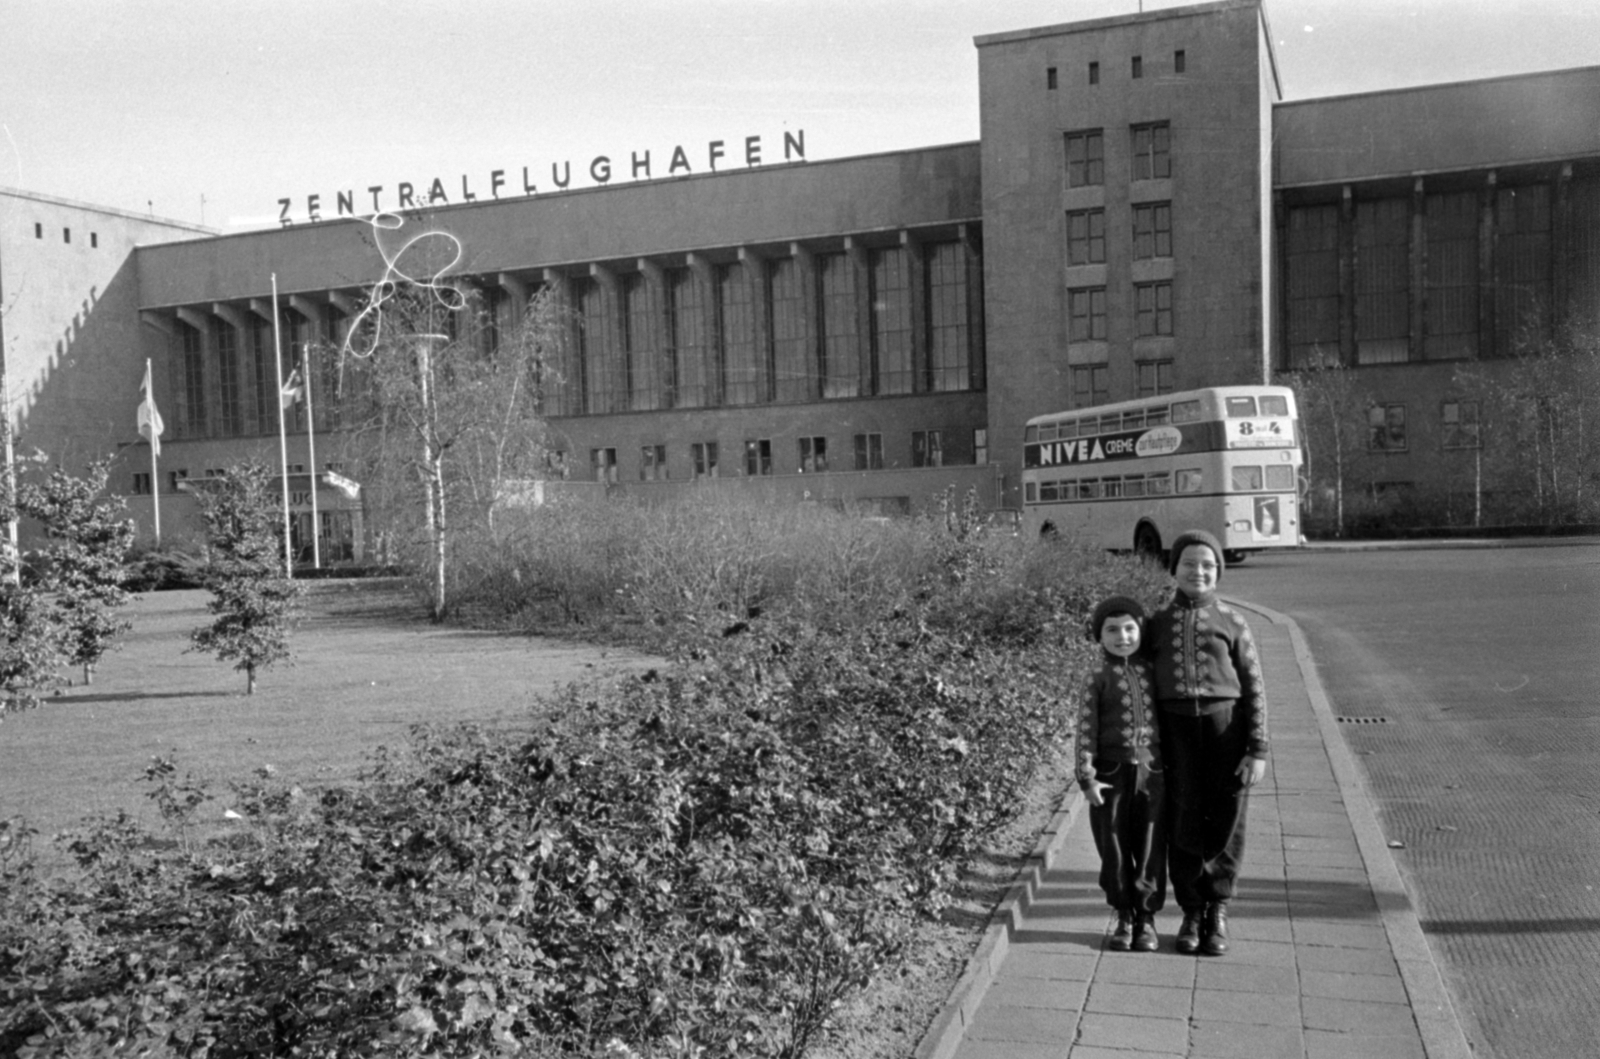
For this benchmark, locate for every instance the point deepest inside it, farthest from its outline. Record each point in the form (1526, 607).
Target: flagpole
(155, 477)
(283, 433)
(311, 446)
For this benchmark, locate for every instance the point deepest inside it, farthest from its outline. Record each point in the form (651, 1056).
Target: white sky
(148, 105)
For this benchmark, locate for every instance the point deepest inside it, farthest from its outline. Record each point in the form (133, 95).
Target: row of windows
(1152, 234)
(1090, 384)
(1152, 312)
(228, 389)
(1180, 63)
(1149, 147)
(761, 331)
(1459, 427)
(66, 234)
(1244, 479)
(812, 456)
(1495, 274)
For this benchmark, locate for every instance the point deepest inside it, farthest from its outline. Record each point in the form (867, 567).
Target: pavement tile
(1321, 1044)
(1026, 962)
(1341, 932)
(1260, 954)
(1081, 1052)
(1159, 969)
(971, 1049)
(1360, 1018)
(1382, 988)
(1256, 1009)
(1233, 1040)
(1009, 991)
(1124, 998)
(1318, 858)
(1250, 928)
(1223, 974)
(1134, 1031)
(1347, 961)
(1001, 1022)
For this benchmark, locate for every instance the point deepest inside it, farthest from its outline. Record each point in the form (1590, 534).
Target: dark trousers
(1206, 805)
(1130, 833)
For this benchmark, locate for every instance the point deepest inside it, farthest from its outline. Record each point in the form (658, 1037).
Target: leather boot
(1122, 934)
(1214, 931)
(1188, 940)
(1144, 933)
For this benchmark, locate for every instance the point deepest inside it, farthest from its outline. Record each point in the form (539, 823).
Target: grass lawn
(366, 666)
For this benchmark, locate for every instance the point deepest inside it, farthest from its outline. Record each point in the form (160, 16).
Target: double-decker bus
(1135, 474)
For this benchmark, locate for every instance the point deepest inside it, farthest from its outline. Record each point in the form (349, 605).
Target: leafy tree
(254, 603)
(445, 401)
(32, 646)
(85, 563)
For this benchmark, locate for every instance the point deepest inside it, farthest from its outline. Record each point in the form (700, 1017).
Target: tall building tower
(1127, 197)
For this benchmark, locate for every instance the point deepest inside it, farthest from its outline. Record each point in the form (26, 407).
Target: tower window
(1094, 73)
(1050, 77)
(1138, 67)
(1178, 61)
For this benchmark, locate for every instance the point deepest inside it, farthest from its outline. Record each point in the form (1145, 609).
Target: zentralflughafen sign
(503, 183)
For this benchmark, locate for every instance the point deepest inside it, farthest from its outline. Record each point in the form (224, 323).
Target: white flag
(293, 390)
(150, 425)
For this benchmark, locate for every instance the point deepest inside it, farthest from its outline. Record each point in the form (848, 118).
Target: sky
(210, 111)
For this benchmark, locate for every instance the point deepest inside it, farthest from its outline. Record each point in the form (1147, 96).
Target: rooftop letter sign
(505, 183)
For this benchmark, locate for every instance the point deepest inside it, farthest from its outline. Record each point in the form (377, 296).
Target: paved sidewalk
(1327, 958)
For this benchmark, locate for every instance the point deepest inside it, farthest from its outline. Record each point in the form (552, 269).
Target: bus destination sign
(1260, 433)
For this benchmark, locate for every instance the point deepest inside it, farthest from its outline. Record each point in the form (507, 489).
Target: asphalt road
(1470, 678)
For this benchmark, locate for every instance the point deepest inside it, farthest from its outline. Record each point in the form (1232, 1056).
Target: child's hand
(1251, 770)
(1094, 792)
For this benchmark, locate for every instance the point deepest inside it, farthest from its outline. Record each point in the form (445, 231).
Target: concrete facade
(1142, 214)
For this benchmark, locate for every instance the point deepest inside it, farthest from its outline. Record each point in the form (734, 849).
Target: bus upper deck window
(1047, 432)
(1241, 407)
(1272, 405)
(1186, 411)
(1030, 435)
(1246, 479)
(1156, 417)
(1280, 476)
(1069, 429)
(1110, 424)
(1133, 420)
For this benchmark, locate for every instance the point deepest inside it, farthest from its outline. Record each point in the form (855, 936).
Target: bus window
(1280, 476)
(1133, 485)
(1112, 487)
(1089, 489)
(1132, 420)
(1274, 405)
(1156, 417)
(1069, 429)
(1047, 432)
(1241, 407)
(1030, 493)
(1159, 484)
(1047, 491)
(1246, 479)
(1030, 435)
(1188, 481)
(1186, 411)
(1110, 424)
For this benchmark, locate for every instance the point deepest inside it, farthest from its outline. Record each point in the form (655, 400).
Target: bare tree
(1333, 426)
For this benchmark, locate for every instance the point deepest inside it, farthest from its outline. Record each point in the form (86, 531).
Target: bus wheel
(1147, 542)
(1234, 558)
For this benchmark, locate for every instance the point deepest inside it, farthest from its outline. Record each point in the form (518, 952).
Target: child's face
(1119, 635)
(1197, 570)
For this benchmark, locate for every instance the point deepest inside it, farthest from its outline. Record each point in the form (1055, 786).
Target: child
(1213, 719)
(1119, 769)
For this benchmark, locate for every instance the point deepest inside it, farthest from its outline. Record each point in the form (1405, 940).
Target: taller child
(1213, 715)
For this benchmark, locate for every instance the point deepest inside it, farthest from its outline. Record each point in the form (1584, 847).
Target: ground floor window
(813, 455)
(869, 452)
(653, 463)
(705, 458)
(603, 464)
(927, 448)
(758, 456)
(1386, 428)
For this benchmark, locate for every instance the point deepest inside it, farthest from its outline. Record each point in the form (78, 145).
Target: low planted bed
(779, 839)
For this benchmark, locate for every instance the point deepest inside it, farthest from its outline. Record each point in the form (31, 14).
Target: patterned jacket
(1116, 715)
(1206, 658)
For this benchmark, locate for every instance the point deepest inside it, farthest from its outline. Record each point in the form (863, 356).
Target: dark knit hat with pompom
(1111, 607)
(1188, 537)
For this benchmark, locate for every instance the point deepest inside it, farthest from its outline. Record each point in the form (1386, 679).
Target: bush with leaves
(84, 564)
(253, 601)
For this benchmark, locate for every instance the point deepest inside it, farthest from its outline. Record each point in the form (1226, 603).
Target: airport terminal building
(1141, 214)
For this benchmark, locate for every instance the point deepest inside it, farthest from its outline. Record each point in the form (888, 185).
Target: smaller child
(1119, 769)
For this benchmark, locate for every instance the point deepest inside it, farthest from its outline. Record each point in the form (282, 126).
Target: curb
(949, 1026)
(1443, 1036)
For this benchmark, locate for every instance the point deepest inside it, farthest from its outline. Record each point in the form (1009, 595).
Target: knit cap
(1113, 605)
(1188, 537)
